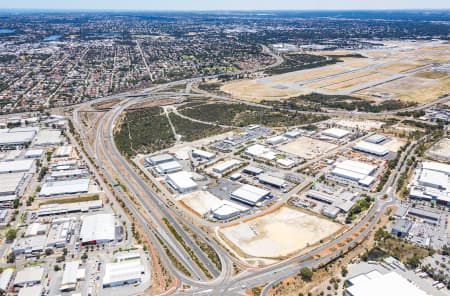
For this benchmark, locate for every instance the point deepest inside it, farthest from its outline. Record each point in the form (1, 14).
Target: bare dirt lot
(366, 125)
(200, 201)
(399, 67)
(307, 148)
(413, 89)
(341, 78)
(394, 144)
(279, 234)
(440, 150)
(356, 81)
(255, 91)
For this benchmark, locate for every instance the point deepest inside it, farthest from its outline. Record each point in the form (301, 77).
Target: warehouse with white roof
(436, 166)
(123, 273)
(370, 148)
(64, 151)
(375, 139)
(181, 181)
(5, 278)
(158, 159)
(98, 229)
(55, 188)
(31, 291)
(168, 167)
(71, 275)
(250, 195)
(228, 210)
(48, 137)
(66, 174)
(272, 181)
(260, 151)
(12, 155)
(355, 171)
(29, 276)
(10, 184)
(431, 182)
(276, 140)
(374, 284)
(17, 166)
(225, 166)
(34, 153)
(16, 138)
(336, 133)
(203, 154)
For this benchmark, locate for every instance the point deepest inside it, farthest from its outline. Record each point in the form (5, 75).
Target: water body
(6, 31)
(52, 38)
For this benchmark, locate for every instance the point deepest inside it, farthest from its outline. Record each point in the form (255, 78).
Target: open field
(307, 148)
(253, 91)
(440, 150)
(431, 74)
(307, 74)
(356, 81)
(365, 125)
(278, 85)
(281, 233)
(399, 67)
(337, 79)
(394, 144)
(414, 89)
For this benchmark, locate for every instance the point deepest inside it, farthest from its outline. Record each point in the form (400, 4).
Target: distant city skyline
(225, 5)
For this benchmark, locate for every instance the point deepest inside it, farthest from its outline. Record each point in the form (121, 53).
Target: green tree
(306, 274)
(11, 235)
(11, 258)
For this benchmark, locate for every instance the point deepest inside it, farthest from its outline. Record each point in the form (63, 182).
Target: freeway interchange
(150, 209)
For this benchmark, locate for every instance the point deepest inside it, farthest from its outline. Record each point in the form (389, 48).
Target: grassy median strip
(187, 249)
(210, 253)
(178, 265)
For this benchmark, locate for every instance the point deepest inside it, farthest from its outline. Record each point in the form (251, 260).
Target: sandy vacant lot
(394, 144)
(357, 81)
(337, 79)
(398, 67)
(414, 89)
(365, 125)
(283, 85)
(201, 201)
(440, 150)
(307, 148)
(255, 91)
(279, 234)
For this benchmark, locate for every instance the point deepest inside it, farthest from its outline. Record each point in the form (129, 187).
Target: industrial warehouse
(336, 133)
(374, 283)
(65, 187)
(357, 171)
(98, 229)
(371, 148)
(182, 181)
(431, 182)
(250, 195)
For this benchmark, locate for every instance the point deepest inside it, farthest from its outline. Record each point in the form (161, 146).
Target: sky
(225, 4)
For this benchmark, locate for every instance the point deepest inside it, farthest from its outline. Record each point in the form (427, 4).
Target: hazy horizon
(231, 5)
